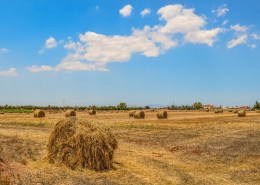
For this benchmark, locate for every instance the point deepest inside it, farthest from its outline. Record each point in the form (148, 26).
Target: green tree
(197, 105)
(122, 106)
(257, 105)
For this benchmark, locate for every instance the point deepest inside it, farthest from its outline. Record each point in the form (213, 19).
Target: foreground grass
(205, 150)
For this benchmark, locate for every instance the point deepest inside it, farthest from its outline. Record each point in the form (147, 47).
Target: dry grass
(187, 148)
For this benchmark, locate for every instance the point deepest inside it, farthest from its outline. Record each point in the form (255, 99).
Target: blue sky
(139, 52)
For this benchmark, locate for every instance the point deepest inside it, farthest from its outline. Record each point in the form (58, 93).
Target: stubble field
(187, 148)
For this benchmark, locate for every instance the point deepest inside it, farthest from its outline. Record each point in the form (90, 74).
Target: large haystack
(92, 112)
(131, 113)
(139, 115)
(241, 113)
(39, 113)
(70, 113)
(162, 115)
(82, 144)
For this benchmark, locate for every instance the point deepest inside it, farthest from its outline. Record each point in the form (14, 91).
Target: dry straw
(131, 113)
(235, 111)
(39, 114)
(70, 113)
(162, 115)
(139, 115)
(219, 111)
(241, 113)
(92, 112)
(82, 144)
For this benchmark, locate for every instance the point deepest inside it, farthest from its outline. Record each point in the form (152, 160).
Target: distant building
(244, 107)
(208, 106)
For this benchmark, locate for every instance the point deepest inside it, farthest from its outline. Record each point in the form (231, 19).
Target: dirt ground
(187, 148)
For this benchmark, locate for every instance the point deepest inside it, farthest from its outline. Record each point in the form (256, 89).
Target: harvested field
(187, 148)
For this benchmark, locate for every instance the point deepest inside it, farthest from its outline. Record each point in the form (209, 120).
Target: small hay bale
(216, 111)
(131, 113)
(82, 144)
(230, 110)
(39, 114)
(139, 115)
(162, 115)
(207, 110)
(70, 113)
(92, 112)
(241, 113)
(235, 111)
(258, 111)
(221, 110)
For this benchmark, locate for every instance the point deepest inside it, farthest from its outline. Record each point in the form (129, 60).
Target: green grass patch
(16, 111)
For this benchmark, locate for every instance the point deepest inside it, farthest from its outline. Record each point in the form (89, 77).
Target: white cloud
(221, 11)
(4, 50)
(126, 10)
(145, 12)
(252, 46)
(256, 36)
(35, 68)
(9, 72)
(224, 22)
(50, 43)
(238, 41)
(203, 36)
(93, 51)
(239, 28)
(180, 20)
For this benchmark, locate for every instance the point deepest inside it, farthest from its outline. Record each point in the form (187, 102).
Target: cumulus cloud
(203, 36)
(36, 69)
(93, 51)
(256, 36)
(180, 20)
(9, 72)
(238, 41)
(49, 44)
(239, 28)
(221, 11)
(145, 12)
(126, 10)
(4, 50)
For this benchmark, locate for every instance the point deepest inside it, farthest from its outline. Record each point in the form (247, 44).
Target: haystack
(92, 112)
(241, 113)
(139, 115)
(235, 111)
(82, 144)
(162, 115)
(219, 111)
(70, 113)
(39, 113)
(131, 113)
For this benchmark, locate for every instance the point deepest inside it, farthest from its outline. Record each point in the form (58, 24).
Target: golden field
(187, 148)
